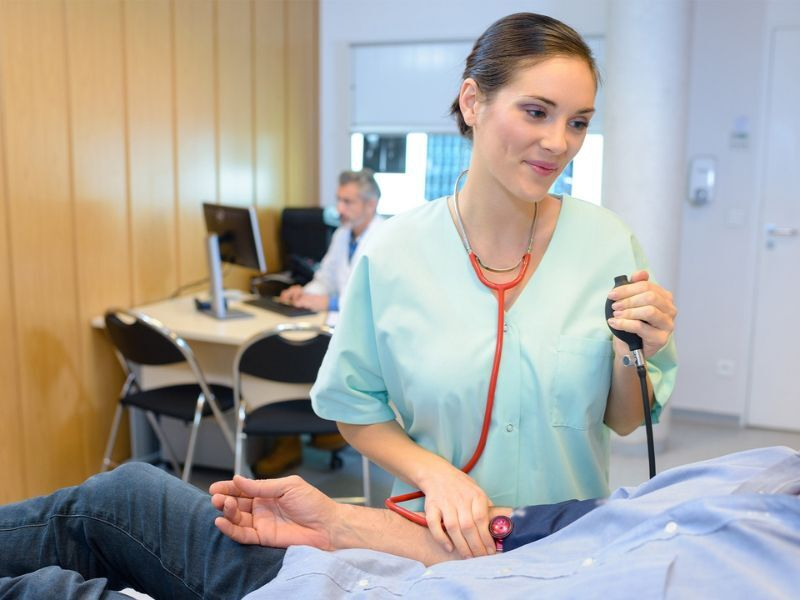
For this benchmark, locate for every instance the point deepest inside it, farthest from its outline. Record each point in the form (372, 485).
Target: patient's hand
(274, 512)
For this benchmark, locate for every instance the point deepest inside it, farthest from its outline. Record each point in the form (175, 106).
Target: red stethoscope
(501, 289)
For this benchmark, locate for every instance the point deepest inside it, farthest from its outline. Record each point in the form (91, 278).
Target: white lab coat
(334, 272)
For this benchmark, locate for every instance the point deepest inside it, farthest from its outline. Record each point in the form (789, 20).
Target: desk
(214, 344)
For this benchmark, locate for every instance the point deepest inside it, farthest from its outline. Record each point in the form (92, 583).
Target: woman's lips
(541, 167)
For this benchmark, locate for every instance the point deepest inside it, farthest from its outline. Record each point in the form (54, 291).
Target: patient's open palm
(273, 512)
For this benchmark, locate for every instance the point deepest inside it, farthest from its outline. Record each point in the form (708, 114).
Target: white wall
(718, 242)
(346, 22)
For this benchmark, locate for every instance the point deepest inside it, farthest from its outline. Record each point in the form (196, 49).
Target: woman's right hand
(457, 511)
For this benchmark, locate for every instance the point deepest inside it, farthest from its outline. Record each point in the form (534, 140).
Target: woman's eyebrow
(552, 103)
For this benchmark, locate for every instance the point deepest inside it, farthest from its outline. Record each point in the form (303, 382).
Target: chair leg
(162, 439)
(112, 438)
(241, 441)
(366, 481)
(220, 419)
(198, 415)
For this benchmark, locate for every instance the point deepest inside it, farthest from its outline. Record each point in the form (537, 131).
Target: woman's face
(532, 127)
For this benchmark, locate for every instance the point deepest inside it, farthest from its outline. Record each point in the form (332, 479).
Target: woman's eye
(579, 125)
(536, 113)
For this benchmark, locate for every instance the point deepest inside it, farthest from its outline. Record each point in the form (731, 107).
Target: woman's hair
(521, 39)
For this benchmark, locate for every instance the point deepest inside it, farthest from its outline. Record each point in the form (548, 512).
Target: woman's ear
(468, 100)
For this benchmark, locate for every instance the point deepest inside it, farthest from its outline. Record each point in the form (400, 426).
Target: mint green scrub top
(419, 330)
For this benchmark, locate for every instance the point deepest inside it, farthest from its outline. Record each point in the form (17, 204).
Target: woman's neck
(498, 223)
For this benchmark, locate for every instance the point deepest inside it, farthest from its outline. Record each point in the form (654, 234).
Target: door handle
(774, 231)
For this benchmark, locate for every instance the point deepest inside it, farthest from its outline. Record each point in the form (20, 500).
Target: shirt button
(427, 573)
(509, 428)
(671, 527)
(505, 327)
(588, 562)
(363, 582)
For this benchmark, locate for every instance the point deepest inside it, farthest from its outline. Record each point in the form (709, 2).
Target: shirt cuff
(533, 523)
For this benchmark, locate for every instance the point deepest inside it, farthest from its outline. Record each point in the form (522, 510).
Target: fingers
(290, 294)
(651, 298)
(234, 522)
(220, 490)
(644, 308)
(224, 487)
(303, 301)
(266, 488)
(466, 529)
(649, 314)
(239, 534)
(653, 338)
(243, 490)
(473, 527)
(244, 504)
(434, 518)
(481, 513)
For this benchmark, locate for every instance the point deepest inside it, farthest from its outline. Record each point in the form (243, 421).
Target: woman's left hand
(643, 308)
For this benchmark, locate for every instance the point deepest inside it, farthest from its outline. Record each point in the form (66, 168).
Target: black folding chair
(141, 341)
(293, 363)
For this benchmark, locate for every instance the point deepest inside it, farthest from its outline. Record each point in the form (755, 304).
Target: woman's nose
(555, 138)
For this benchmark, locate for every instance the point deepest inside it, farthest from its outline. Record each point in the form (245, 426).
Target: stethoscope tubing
(501, 289)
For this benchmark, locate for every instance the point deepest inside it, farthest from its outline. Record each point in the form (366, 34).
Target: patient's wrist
(345, 529)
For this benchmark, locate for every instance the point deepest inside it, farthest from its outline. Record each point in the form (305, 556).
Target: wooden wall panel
(235, 102)
(269, 75)
(13, 471)
(42, 237)
(148, 64)
(117, 119)
(195, 130)
(235, 113)
(97, 103)
(302, 89)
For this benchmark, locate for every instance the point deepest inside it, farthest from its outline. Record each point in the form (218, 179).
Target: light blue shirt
(725, 528)
(419, 329)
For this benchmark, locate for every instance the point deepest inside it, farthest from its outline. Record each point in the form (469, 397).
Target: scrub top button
(509, 428)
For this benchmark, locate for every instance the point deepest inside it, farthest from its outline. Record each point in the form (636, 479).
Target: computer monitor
(233, 237)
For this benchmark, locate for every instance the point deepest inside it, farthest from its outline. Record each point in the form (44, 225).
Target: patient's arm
(288, 511)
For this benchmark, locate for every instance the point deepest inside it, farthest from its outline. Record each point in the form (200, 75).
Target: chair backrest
(141, 342)
(277, 358)
(305, 233)
(305, 239)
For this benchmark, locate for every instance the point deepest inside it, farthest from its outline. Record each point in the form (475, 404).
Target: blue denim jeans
(135, 526)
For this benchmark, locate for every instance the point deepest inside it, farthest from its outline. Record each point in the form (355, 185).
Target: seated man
(356, 202)
(728, 527)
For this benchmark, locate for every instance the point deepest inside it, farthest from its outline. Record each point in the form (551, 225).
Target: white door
(774, 395)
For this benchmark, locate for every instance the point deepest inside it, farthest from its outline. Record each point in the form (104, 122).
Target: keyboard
(268, 303)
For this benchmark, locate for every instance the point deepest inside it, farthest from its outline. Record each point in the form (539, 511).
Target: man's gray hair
(365, 178)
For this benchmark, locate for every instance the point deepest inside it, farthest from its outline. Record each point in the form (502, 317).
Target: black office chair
(292, 363)
(305, 238)
(141, 341)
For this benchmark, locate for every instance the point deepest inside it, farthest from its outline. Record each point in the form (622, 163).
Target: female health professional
(420, 326)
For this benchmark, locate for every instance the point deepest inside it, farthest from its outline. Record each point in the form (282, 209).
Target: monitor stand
(218, 307)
